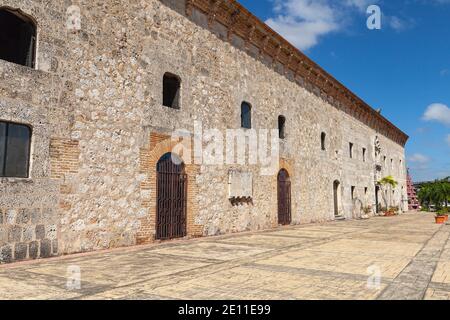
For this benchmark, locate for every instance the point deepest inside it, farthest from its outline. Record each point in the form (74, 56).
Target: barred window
(15, 141)
(17, 37)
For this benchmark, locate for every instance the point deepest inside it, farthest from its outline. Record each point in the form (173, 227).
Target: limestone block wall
(94, 102)
(29, 208)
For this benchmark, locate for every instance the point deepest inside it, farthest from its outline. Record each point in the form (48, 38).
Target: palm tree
(425, 196)
(446, 190)
(388, 182)
(442, 193)
(437, 193)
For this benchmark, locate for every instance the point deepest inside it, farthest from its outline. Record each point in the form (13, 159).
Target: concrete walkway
(404, 257)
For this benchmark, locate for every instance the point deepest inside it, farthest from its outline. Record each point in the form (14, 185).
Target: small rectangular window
(2, 147)
(18, 37)
(353, 192)
(15, 140)
(171, 91)
(351, 149)
(323, 141)
(282, 127)
(246, 115)
(364, 154)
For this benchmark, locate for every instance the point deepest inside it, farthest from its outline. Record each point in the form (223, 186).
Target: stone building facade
(93, 98)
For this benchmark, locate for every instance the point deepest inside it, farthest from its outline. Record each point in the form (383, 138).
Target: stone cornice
(296, 65)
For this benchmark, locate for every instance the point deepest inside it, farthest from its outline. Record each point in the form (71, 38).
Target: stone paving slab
(438, 291)
(251, 283)
(268, 240)
(306, 233)
(371, 247)
(123, 269)
(327, 261)
(392, 236)
(413, 282)
(214, 250)
(343, 262)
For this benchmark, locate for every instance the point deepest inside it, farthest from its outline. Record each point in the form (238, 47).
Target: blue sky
(404, 68)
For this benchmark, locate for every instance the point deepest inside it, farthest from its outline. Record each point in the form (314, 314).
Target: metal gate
(172, 195)
(284, 198)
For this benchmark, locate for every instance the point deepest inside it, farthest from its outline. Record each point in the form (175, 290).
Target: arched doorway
(171, 198)
(284, 198)
(336, 196)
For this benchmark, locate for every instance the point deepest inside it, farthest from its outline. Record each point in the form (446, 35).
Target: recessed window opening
(17, 37)
(171, 91)
(246, 115)
(282, 127)
(15, 142)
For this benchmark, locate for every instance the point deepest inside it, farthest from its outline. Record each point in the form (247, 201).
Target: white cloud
(397, 23)
(419, 158)
(422, 130)
(360, 4)
(304, 22)
(302, 34)
(437, 112)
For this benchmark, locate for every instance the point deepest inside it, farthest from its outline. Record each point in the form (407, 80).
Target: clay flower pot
(441, 219)
(389, 213)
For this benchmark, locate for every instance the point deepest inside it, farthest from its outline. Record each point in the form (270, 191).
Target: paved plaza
(403, 257)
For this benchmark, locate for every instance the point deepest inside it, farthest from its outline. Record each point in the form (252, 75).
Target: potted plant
(441, 217)
(389, 212)
(444, 211)
(367, 211)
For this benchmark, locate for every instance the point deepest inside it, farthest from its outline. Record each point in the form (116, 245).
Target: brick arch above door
(288, 165)
(159, 145)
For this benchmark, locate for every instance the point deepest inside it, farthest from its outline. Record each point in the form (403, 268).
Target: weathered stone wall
(95, 105)
(29, 221)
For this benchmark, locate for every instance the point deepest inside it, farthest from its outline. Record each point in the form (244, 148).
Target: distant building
(413, 201)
